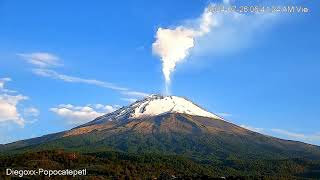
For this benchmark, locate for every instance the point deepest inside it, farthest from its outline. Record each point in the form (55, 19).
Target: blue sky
(70, 61)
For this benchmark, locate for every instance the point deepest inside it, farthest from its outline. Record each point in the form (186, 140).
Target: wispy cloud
(255, 129)
(224, 114)
(231, 32)
(289, 134)
(44, 60)
(134, 93)
(31, 111)
(2, 84)
(76, 115)
(130, 100)
(41, 59)
(313, 138)
(73, 79)
(3, 81)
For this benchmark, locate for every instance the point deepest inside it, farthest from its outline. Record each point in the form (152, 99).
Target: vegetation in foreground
(116, 165)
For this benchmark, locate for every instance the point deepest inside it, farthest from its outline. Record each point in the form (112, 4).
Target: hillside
(180, 129)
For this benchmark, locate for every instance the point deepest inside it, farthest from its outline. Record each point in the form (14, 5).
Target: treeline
(116, 165)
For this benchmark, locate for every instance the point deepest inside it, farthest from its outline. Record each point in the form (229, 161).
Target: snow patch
(156, 105)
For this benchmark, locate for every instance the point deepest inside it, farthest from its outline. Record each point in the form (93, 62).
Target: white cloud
(8, 105)
(99, 106)
(211, 33)
(259, 130)
(9, 112)
(3, 81)
(76, 115)
(41, 59)
(106, 108)
(31, 111)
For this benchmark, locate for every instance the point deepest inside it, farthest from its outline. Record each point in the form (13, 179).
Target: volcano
(171, 125)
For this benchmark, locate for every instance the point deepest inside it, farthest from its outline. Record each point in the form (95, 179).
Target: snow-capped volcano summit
(154, 105)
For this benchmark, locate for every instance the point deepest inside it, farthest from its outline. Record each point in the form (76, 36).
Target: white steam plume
(213, 33)
(173, 45)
